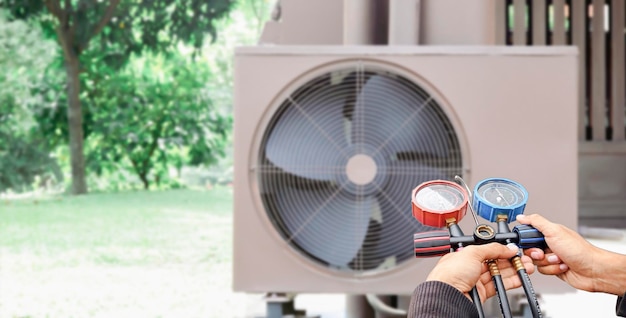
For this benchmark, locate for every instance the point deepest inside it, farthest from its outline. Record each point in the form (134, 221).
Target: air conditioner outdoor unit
(331, 140)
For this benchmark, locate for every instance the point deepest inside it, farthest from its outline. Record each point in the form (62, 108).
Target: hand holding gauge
(437, 202)
(440, 203)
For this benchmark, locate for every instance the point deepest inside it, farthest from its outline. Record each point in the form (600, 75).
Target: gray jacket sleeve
(435, 299)
(620, 307)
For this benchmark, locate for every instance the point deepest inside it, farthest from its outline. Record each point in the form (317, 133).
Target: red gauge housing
(434, 202)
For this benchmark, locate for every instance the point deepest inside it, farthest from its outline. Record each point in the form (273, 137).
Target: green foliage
(23, 153)
(18, 39)
(242, 27)
(123, 27)
(116, 30)
(119, 84)
(153, 115)
(24, 164)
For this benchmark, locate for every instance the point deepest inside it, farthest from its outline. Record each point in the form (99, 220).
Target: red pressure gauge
(438, 200)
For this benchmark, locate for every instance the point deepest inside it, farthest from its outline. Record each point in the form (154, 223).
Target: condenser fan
(338, 161)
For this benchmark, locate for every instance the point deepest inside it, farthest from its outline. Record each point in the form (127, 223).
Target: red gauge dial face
(435, 202)
(440, 198)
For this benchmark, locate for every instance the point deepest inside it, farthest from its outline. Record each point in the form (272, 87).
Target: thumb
(493, 251)
(536, 220)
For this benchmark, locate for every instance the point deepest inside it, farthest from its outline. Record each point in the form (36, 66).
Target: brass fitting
(517, 263)
(493, 268)
(484, 232)
(450, 221)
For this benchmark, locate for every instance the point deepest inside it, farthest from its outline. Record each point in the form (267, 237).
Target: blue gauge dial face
(440, 197)
(501, 193)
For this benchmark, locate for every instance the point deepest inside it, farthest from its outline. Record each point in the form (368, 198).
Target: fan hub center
(361, 169)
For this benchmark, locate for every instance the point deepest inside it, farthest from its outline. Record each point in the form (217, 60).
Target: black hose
(476, 300)
(455, 230)
(500, 290)
(533, 302)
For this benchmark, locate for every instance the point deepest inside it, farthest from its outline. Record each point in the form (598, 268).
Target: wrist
(612, 278)
(450, 282)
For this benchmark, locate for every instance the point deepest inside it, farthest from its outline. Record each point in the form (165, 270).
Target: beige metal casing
(513, 108)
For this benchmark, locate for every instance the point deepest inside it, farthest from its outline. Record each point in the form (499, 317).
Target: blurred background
(116, 156)
(124, 192)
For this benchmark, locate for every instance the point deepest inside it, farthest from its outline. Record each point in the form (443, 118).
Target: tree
(156, 113)
(243, 28)
(119, 28)
(23, 156)
(19, 39)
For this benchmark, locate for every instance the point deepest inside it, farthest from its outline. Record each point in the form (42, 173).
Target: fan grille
(338, 161)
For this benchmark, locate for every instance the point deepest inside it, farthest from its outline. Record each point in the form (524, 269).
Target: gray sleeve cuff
(434, 299)
(620, 307)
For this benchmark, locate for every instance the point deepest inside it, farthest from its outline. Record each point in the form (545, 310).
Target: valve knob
(529, 236)
(432, 243)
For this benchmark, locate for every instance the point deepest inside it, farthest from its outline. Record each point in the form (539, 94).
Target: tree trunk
(75, 122)
(144, 180)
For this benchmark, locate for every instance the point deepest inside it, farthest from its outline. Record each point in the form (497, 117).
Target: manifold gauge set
(443, 203)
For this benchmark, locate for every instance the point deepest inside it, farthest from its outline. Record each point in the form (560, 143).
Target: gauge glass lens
(439, 197)
(501, 194)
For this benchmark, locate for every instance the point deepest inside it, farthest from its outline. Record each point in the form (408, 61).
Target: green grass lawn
(128, 254)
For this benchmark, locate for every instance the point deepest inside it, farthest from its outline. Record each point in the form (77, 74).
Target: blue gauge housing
(499, 196)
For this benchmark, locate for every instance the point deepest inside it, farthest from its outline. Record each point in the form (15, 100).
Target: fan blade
(309, 137)
(397, 223)
(392, 115)
(329, 225)
(364, 260)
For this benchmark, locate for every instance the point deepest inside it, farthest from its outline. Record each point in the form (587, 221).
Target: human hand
(466, 268)
(574, 260)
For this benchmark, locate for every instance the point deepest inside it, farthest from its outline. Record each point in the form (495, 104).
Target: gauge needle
(502, 196)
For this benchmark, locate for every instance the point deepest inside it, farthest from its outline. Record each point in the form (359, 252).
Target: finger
(552, 258)
(548, 259)
(485, 277)
(445, 257)
(487, 284)
(483, 293)
(528, 264)
(536, 220)
(535, 253)
(511, 282)
(529, 267)
(554, 269)
(506, 267)
(490, 289)
(491, 251)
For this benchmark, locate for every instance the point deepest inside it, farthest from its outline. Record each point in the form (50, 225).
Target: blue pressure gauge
(498, 196)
